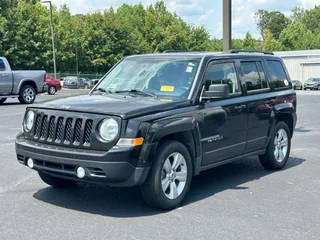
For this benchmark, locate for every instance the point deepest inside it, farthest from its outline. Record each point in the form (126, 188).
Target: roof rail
(173, 51)
(249, 51)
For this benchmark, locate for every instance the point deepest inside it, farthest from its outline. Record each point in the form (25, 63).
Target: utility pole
(52, 38)
(227, 25)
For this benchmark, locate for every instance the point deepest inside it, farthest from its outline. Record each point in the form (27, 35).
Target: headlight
(28, 121)
(108, 130)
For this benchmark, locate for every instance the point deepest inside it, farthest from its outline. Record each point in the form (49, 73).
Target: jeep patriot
(157, 120)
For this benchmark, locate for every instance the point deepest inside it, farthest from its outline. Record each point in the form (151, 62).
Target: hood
(113, 104)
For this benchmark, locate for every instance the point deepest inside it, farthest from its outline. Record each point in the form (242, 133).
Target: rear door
(223, 130)
(5, 79)
(259, 103)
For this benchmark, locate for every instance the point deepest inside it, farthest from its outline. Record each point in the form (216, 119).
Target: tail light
(45, 77)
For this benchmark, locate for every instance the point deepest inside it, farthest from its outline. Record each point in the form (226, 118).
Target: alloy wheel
(280, 145)
(28, 95)
(174, 175)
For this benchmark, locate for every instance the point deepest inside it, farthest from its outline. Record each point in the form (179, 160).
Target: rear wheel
(56, 182)
(27, 94)
(52, 90)
(2, 100)
(278, 150)
(170, 176)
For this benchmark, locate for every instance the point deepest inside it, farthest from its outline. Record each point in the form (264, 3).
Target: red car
(53, 85)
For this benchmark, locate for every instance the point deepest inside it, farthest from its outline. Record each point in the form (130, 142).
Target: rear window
(278, 77)
(253, 76)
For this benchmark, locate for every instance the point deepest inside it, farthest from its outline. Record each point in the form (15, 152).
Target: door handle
(240, 107)
(5, 75)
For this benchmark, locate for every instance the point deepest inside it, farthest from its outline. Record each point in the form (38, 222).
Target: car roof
(209, 54)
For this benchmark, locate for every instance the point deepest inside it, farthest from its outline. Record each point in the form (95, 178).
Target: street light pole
(52, 38)
(227, 25)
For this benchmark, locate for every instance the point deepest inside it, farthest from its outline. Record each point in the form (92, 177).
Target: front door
(224, 126)
(5, 79)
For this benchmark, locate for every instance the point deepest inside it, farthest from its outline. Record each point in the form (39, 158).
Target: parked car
(297, 85)
(90, 83)
(53, 84)
(312, 84)
(73, 82)
(174, 116)
(24, 85)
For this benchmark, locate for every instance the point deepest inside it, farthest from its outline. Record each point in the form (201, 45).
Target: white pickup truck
(24, 85)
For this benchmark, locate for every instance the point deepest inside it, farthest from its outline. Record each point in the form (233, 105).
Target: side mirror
(216, 91)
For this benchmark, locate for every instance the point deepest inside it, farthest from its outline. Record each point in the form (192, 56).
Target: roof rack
(249, 51)
(173, 51)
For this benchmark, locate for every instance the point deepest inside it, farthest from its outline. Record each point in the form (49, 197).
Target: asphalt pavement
(240, 200)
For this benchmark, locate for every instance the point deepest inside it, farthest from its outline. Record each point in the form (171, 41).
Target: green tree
(274, 21)
(297, 37)
(311, 19)
(249, 43)
(269, 43)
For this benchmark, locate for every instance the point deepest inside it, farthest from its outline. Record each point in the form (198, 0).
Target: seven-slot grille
(62, 130)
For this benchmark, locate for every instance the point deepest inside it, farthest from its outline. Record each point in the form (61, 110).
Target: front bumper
(111, 168)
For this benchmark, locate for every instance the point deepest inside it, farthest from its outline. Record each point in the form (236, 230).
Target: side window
(278, 77)
(2, 66)
(253, 76)
(222, 73)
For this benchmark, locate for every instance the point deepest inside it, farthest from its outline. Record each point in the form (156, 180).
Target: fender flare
(166, 127)
(21, 83)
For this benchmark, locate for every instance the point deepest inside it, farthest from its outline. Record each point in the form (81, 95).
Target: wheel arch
(285, 112)
(28, 82)
(184, 130)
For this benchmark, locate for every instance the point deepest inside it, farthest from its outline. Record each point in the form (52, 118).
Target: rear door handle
(240, 107)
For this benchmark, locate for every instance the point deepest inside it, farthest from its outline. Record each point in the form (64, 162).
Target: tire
(278, 150)
(56, 182)
(52, 90)
(27, 94)
(2, 100)
(175, 190)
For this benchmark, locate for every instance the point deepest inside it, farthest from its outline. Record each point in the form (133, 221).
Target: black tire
(268, 160)
(2, 100)
(24, 97)
(56, 182)
(52, 90)
(152, 191)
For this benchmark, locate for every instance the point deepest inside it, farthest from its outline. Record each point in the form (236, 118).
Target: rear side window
(278, 77)
(2, 66)
(253, 76)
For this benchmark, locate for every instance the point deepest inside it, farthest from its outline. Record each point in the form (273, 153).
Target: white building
(301, 64)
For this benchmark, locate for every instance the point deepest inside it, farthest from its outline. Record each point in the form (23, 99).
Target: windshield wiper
(101, 90)
(138, 92)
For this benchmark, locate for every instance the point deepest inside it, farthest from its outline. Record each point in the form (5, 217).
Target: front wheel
(2, 100)
(278, 150)
(56, 182)
(27, 94)
(170, 176)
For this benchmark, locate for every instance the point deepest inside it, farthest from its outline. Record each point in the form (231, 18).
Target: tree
(274, 21)
(311, 19)
(269, 43)
(297, 37)
(249, 43)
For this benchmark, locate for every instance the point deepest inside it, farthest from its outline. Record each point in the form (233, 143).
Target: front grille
(63, 130)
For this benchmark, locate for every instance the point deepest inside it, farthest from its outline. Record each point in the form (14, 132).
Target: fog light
(30, 163)
(81, 173)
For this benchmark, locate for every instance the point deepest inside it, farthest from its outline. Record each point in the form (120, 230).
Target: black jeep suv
(158, 120)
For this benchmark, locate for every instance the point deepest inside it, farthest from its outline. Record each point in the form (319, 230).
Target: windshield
(164, 77)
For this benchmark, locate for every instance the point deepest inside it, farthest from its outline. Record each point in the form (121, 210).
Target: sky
(202, 12)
